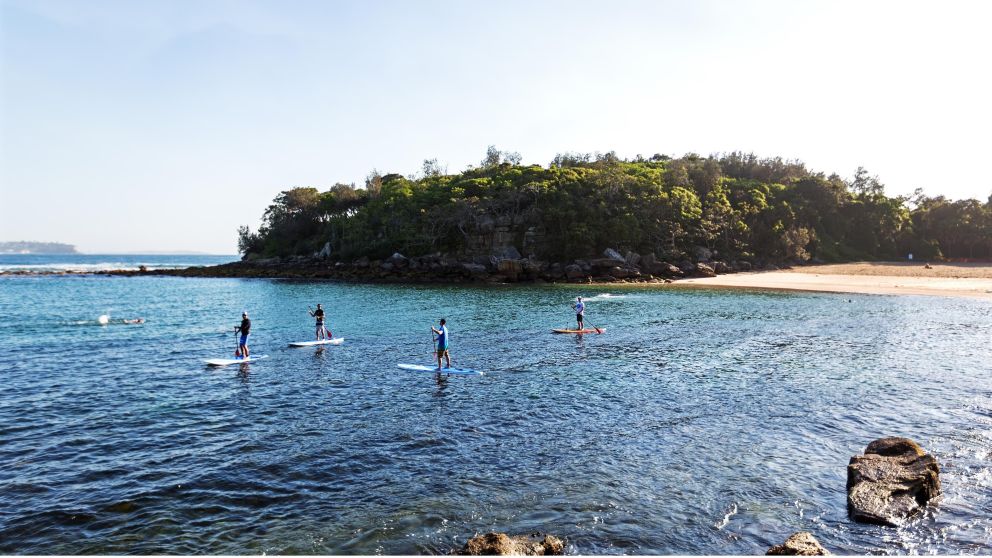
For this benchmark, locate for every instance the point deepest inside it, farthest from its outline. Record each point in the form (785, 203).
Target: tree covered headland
(738, 205)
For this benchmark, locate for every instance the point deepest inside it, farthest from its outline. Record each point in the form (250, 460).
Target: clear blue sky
(158, 125)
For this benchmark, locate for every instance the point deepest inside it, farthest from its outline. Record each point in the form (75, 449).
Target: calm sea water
(700, 422)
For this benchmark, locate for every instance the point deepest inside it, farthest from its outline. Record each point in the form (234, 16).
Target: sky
(129, 126)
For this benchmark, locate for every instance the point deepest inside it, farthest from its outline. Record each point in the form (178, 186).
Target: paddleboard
(335, 341)
(420, 368)
(579, 331)
(229, 361)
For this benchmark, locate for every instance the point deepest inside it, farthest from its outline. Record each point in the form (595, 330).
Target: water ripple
(701, 422)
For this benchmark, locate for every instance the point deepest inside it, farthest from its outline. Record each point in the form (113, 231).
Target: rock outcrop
(893, 481)
(502, 544)
(705, 270)
(499, 264)
(799, 544)
(613, 255)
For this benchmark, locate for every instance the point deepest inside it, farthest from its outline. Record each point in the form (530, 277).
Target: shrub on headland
(736, 206)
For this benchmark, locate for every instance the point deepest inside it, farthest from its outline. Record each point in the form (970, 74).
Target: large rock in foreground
(799, 544)
(502, 544)
(893, 481)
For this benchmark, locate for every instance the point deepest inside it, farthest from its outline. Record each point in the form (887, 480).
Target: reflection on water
(700, 422)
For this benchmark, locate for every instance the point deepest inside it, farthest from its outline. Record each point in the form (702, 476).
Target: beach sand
(890, 278)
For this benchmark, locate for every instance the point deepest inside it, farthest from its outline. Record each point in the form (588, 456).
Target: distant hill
(28, 247)
(161, 253)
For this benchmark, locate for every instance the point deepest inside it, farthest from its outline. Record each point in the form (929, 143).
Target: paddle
(237, 350)
(596, 328)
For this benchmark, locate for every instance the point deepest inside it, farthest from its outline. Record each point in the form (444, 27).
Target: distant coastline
(80, 263)
(32, 247)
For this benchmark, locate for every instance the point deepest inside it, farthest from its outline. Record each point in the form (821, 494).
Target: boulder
(324, 252)
(702, 253)
(893, 481)
(648, 260)
(574, 272)
(705, 270)
(604, 263)
(632, 258)
(721, 267)
(799, 544)
(687, 267)
(741, 266)
(386, 266)
(618, 272)
(534, 266)
(507, 252)
(474, 269)
(664, 269)
(613, 255)
(502, 544)
(362, 262)
(398, 260)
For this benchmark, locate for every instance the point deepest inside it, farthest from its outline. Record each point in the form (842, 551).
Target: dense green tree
(739, 205)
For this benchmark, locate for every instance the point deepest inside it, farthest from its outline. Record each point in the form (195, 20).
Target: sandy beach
(970, 280)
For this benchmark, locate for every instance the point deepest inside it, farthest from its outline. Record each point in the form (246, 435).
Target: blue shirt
(579, 307)
(442, 338)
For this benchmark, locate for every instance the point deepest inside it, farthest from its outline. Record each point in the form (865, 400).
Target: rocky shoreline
(612, 267)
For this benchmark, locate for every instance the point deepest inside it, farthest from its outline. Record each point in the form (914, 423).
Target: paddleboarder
(244, 329)
(318, 314)
(442, 344)
(580, 308)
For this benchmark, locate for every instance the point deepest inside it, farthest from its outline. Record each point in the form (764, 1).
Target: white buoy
(104, 319)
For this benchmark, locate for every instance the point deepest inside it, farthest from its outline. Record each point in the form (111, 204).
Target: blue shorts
(244, 340)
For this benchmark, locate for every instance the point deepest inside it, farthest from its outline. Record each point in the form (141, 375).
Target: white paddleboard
(420, 368)
(335, 341)
(229, 361)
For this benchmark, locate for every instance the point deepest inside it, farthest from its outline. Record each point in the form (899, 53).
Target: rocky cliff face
(503, 264)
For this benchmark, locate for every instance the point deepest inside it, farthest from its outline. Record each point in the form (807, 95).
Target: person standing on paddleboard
(319, 315)
(245, 330)
(580, 309)
(442, 344)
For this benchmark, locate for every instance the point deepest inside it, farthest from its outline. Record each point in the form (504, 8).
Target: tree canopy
(737, 204)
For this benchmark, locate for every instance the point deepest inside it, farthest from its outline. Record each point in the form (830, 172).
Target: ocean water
(88, 263)
(701, 422)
